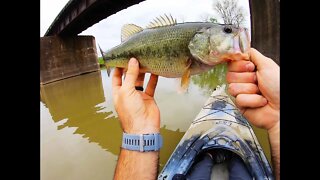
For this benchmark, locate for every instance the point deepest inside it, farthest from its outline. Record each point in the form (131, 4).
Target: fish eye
(227, 30)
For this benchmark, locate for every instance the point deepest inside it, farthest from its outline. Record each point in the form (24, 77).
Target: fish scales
(163, 51)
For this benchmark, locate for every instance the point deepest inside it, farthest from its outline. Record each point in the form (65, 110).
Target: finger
(241, 66)
(259, 59)
(132, 74)
(250, 100)
(245, 77)
(152, 84)
(243, 88)
(116, 79)
(239, 56)
(140, 80)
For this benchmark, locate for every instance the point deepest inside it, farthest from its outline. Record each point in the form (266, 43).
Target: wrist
(275, 131)
(142, 130)
(274, 139)
(142, 126)
(274, 118)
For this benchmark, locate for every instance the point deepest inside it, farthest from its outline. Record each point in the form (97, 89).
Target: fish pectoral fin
(128, 30)
(185, 80)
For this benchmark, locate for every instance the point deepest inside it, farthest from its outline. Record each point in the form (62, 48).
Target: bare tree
(204, 17)
(230, 12)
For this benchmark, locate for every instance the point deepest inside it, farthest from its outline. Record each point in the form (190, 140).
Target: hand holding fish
(257, 93)
(137, 110)
(138, 114)
(258, 96)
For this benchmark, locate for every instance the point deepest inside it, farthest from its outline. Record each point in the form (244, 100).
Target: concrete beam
(265, 27)
(78, 15)
(62, 58)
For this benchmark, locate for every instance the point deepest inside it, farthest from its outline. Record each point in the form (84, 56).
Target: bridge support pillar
(62, 58)
(265, 27)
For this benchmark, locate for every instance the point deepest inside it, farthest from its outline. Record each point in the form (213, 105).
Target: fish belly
(173, 67)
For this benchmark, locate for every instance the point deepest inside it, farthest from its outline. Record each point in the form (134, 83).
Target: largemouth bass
(170, 49)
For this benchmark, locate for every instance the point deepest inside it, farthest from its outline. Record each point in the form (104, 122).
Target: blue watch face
(142, 142)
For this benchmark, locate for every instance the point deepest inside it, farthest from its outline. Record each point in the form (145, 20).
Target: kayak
(219, 125)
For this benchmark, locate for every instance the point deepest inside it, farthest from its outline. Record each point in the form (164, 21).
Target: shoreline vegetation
(100, 61)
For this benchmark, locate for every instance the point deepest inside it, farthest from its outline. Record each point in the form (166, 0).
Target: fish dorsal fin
(128, 30)
(162, 21)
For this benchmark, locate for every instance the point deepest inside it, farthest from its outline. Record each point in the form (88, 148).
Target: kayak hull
(219, 125)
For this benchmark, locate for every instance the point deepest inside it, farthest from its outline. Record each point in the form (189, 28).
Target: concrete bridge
(64, 54)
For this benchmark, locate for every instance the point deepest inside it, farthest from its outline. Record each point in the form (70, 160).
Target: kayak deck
(219, 125)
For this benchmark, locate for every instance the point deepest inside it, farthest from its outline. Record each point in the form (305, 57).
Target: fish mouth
(241, 46)
(241, 42)
(244, 40)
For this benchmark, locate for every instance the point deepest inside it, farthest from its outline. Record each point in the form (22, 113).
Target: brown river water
(81, 133)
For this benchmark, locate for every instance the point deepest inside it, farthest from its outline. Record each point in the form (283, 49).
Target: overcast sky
(107, 31)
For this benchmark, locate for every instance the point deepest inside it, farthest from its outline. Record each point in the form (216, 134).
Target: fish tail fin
(102, 53)
(105, 60)
(108, 70)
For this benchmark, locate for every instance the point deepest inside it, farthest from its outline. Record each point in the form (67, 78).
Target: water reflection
(80, 106)
(209, 80)
(78, 102)
(170, 140)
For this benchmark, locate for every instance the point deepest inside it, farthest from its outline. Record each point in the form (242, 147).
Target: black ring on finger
(139, 88)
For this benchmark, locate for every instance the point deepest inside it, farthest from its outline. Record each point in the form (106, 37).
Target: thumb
(132, 73)
(259, 59)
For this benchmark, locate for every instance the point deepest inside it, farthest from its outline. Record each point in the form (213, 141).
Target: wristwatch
(142, 142)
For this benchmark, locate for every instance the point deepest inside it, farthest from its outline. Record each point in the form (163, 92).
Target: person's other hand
(137, 110)
(257, 93)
